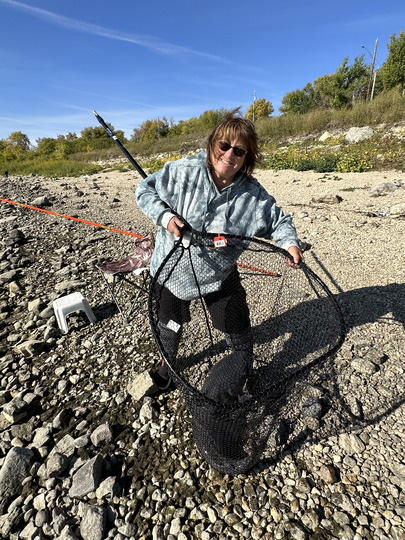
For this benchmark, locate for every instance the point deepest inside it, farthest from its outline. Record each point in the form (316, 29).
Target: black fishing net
(239, 328)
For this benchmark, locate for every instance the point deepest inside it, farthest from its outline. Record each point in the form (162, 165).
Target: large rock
(41, 202)
(66, 446)
(398, 210)
(14, 238)
(108, 488)
(56, 465)
(351, 444)
(141, 386)
(93, 522)
(101, 435)
(383, 189)
(8, 277)
(357, 134)
(35, 306)
(397, 468)
(327, 198)
(14, 471)
(69, 285)
(31, 348)
(87, 478)
(325, 136)
(15, 410)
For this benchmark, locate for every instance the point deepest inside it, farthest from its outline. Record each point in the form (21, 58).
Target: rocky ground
(85, 454)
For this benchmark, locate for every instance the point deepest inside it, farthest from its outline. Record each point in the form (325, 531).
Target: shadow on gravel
(105, 311)
(362, 385)
(383, 304)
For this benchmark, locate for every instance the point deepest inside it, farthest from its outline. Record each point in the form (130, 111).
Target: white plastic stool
(68, 304)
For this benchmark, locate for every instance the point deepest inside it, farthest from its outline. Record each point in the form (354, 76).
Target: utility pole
(372, 74)
(372, 70)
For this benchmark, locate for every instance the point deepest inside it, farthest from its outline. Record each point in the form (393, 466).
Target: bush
(155, 164)
(53, 168)
(304, 164)
(277, 161)
(326, 163)
(353, 161)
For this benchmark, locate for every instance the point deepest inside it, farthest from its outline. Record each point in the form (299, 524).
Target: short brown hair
(235, 125)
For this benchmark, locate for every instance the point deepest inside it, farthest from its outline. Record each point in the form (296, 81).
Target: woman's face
(226, 163)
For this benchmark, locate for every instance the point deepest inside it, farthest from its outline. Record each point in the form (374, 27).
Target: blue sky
(133, 60)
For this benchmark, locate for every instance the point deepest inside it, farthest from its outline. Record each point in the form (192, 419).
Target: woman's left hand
(297, 256)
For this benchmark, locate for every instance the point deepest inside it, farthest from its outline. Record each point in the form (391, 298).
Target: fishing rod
(120, 146)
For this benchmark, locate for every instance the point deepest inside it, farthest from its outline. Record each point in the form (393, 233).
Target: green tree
(151, 130)
(19, 140)
(190, 126)
(60, 147)
(96, 138)
(70, 137)
(68, 144)
(3, 147)
(393, 70)
(10, 153)
(46, 146)
(148, 130)
(261, 108)
(342, 88)
(176, 129)
(209, 120)
(136, 134)
(299, 101)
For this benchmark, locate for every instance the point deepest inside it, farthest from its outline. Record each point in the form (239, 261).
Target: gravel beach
(84, 454)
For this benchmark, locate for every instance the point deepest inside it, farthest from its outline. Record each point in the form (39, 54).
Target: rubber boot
(220, 437)
(243, 345)
(170, 342)
(226, 379)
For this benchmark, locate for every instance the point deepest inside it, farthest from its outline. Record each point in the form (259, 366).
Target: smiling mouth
(226, 162)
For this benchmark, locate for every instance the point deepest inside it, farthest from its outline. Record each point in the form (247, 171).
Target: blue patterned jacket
(243, 208)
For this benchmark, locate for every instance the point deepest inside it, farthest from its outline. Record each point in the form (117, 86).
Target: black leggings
(227, 307)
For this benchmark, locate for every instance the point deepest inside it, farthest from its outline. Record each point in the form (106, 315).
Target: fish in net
(239, 326)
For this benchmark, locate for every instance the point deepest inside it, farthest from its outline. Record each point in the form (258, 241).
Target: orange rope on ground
(108, 228)
(58, 214)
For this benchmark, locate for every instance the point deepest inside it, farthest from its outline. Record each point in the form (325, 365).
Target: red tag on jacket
(219, 241)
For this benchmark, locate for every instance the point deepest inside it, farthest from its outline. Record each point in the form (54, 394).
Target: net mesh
(238, 351)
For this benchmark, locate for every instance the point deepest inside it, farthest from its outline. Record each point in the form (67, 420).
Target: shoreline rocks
(86, 453)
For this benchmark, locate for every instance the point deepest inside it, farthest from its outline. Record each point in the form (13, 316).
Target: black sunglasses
(237, 150)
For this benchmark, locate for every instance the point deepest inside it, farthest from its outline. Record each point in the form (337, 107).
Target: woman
(215, 192)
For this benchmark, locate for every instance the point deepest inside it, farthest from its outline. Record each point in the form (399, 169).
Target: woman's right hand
(174, 226)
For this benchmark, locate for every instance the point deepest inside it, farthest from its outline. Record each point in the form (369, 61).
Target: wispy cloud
(103, 96)
(372, 22)
(149, 42)
(36, 126)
